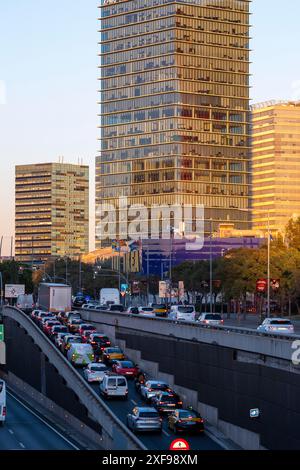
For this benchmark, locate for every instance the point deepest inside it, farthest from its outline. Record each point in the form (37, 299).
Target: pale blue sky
(48, 63)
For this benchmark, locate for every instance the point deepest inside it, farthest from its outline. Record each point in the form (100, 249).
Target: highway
(25, 430)
(154, 441)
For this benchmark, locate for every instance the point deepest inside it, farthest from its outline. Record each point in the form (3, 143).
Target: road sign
(1, 332)
(180, 444)
(12, 291)
(254, 413)
(261, 285)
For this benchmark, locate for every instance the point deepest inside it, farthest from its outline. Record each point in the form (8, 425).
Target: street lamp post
(210, 270)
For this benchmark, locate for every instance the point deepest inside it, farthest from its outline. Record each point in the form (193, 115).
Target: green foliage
(17, 273)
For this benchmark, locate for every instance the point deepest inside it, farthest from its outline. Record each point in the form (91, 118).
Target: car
(126, 368)
(86, 327)
(112, 354)
(147, 311)
(80, 354)
(166, 402)
(114, 385)
(86, 336)
(160, 310)
(68, 340)
(39, 317)
(44, 320)
(182, 313)
(59, 339)
(25, 303)
(88, 306)
(2, 402)
(74, 325)
(48, 325)
(62, 317)
(143, 419)
(78, 302)
(133, 311)
(277, 325)
(102, 307)
(95, 372)
(34, 314)
(187, 421)
(116, 308)
(210, 319)
(151, 388)
(55, 330)
(99, 342)
(72, 315)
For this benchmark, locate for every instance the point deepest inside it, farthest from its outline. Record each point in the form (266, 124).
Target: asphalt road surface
(154, 441)
(24, 430)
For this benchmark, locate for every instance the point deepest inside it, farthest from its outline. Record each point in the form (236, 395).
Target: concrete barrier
(116, 435)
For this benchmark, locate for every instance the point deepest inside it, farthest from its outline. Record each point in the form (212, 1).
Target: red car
(47, 328)
(126, 368)
(99, 342)
(85, 327)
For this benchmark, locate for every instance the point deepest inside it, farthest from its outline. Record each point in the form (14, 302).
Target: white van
(81, 354)
(25, 303)
(114, 385)
(2, 402)
(182, 312)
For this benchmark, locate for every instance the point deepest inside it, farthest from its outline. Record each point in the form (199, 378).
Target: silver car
(210, 319)
(277, 325)
(95, 372)
(152, 388)
(144, 419)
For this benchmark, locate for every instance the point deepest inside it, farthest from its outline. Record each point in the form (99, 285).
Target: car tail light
(222, 321)
(4, 411)
(150, 390)
(201, 420)
(180, 421)
(180, 403)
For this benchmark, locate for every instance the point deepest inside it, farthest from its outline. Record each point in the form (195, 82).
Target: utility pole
(1, 244)
(80, 272)
(269, 270)
(210, 270)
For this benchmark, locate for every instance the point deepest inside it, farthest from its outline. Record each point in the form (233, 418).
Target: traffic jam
(106, 367)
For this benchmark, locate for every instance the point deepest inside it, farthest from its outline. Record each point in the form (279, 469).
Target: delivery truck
(55, 298)
(109, 296)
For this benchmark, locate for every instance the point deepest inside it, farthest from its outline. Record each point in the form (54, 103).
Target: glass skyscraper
(175, 105)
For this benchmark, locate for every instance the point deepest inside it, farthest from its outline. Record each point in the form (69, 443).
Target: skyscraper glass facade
(175, 105)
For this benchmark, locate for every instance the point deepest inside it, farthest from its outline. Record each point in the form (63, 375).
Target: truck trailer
(55, 297)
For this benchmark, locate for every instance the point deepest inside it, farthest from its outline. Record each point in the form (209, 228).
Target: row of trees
(238, 271)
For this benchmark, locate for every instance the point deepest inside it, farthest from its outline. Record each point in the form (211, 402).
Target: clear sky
(48, 80)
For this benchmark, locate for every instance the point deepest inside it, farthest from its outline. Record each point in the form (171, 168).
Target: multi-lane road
(26, 430)
(154, 441)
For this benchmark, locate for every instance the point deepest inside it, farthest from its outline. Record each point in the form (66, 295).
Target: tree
(292, 233)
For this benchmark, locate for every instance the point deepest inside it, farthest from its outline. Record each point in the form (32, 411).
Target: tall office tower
(276, 164)
(175, 105)
(52, 211)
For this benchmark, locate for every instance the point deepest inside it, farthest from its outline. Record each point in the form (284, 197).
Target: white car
(152, 388)
(277, 325)
(211, 319)
(95, 372)
(182, 313)
(114, 385)
(2, 402)
(149, 311)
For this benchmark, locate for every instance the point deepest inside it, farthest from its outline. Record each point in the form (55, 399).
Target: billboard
(12, 291)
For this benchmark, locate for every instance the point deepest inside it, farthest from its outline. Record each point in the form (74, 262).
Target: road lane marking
(10, 431)
(166, 433)
(43, 421)
(22, 445)
(134, 402)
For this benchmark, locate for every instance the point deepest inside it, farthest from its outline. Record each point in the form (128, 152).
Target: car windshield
(74, 340)
(100, 339)
(76, 322)
(114, 350)
(185, 309)
(187, 414)
(148, 414)
(158, 386)
(147, 309)
(168, 399)
(213, 317)
(127, 365)
(280, 322)
(160, 306)
(99, 367)
(60, 329)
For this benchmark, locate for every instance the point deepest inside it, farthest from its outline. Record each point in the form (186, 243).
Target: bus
(2, 402)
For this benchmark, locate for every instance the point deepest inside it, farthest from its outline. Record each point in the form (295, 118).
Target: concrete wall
(222, 382)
